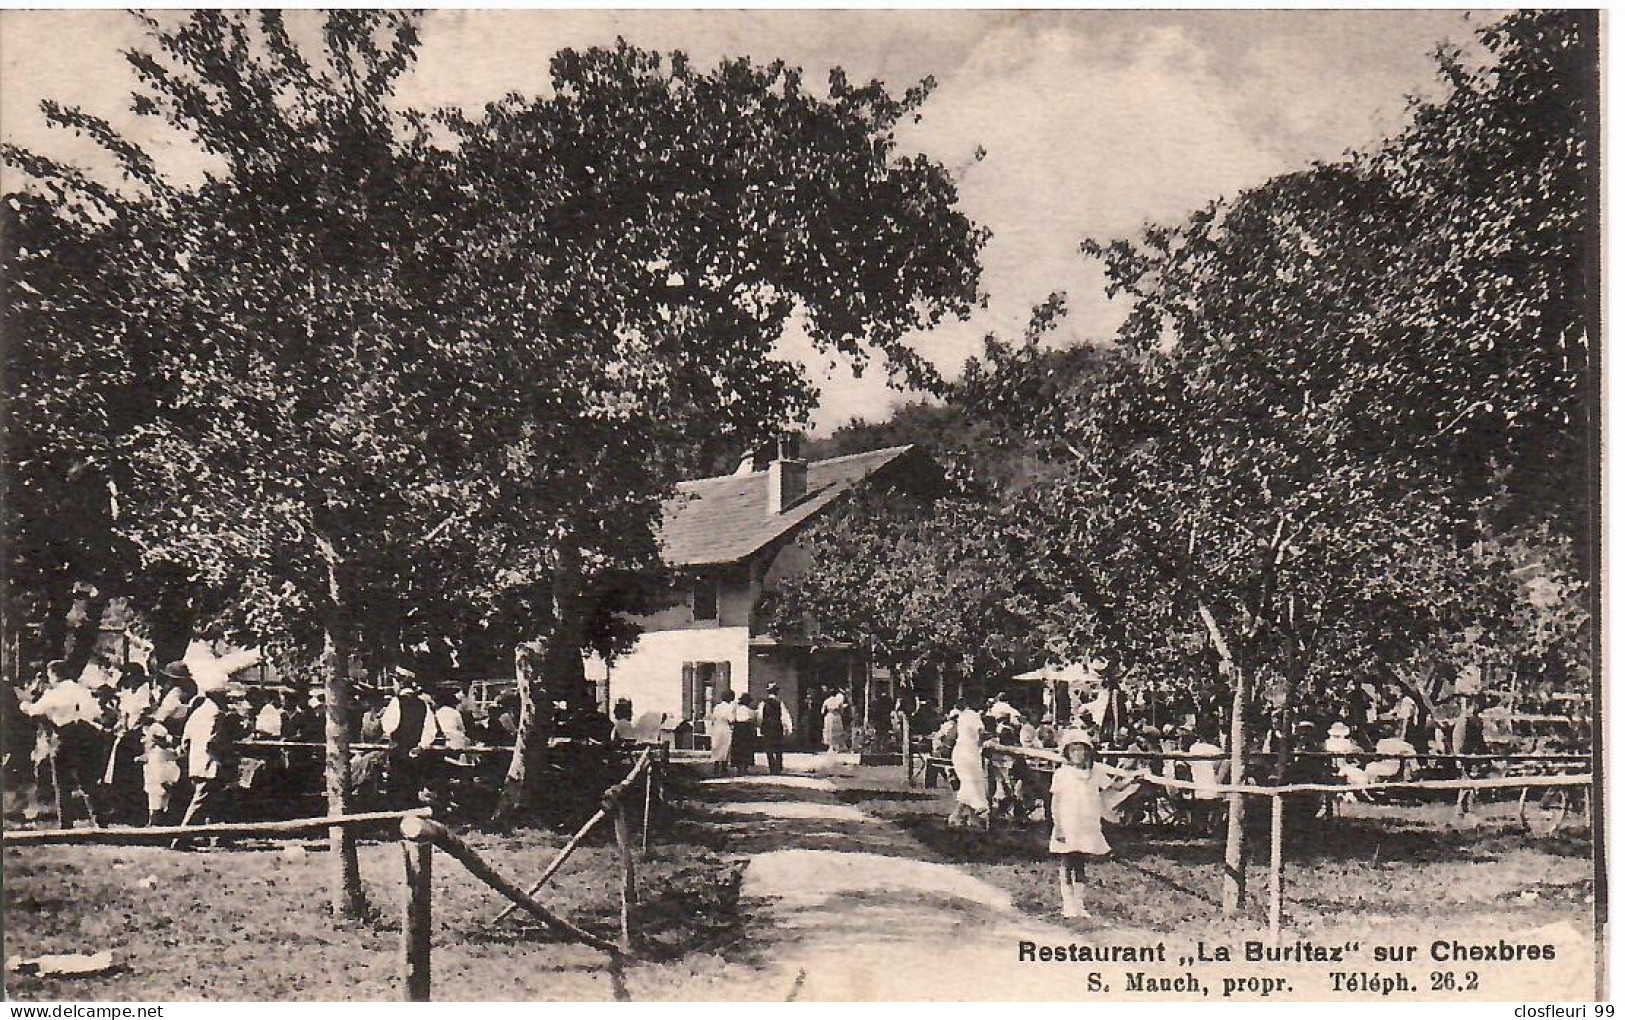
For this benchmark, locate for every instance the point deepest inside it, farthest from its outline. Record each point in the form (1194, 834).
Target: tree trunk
(383, 658)
(81, 643)
(170, 626)
(545, 669)
(348, 898)
(1235, 849)
(566, 675)
(53, 634)
(529, 760)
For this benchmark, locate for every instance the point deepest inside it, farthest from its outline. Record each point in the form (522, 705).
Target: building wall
(735, 599)
(652, 673)
(789, 561)
(734, 602)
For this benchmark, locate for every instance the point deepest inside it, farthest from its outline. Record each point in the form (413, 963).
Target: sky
(1094, 122)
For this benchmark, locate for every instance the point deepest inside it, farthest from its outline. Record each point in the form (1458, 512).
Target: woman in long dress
(720, 727)
(971, 798)
(746, 716)
(834, 726)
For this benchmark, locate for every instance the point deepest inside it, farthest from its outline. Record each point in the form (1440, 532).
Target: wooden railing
(1277, 871)
(420, 836)
(126, 836)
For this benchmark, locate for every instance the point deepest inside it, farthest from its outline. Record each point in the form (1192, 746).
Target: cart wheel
(1542, 810)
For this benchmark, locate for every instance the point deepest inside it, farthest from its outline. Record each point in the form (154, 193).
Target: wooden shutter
(688, 690)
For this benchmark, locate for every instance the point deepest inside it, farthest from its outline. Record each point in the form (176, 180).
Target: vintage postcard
(802, 505)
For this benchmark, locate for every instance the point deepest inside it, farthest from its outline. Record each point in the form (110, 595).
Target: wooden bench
(935, 767)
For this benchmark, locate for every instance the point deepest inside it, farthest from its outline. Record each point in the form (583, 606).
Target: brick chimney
(786, 479)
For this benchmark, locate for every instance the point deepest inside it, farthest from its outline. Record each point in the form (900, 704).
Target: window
(704, 598)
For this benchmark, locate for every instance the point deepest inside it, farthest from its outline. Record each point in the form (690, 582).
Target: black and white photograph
(535, 505)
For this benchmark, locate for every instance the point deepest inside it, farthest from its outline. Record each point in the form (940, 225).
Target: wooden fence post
(60, 798)
(1277, 876)
(648, 794)
(908, 754)
(418, 827)
(629, 893)
(990, 774)
(416, 912)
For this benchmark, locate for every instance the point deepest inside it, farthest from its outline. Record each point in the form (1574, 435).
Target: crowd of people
(1362, 737)
(174, 747)
(741, 726)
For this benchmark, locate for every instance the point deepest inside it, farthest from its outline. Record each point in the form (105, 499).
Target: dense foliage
(393, 382)
(1342, 435)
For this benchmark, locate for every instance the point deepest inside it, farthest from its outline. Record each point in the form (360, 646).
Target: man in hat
(209, 744)
(410, 728)
(179, 689)
(775, 729)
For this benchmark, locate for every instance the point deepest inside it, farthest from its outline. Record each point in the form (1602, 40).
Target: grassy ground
(1370, 872)
(251, 923)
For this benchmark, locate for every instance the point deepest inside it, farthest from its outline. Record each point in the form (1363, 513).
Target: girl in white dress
(971, 798)
(161, 770)
(1076, 807)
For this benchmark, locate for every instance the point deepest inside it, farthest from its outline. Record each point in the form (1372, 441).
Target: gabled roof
(725, 520)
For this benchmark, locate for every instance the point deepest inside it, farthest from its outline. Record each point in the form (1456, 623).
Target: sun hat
(178, 670)
(1339, 730)
(1074, 736)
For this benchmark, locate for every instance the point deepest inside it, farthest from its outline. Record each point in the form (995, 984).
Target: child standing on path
(1076, 807)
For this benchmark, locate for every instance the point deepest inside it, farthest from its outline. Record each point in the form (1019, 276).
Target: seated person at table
(1401, 766)
(1046, 733)
(1207, 773)
(1339, 741)
(1029, 734)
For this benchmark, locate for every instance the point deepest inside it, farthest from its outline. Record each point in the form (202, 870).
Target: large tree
(421, 375)
(1329, 392)
(654, 227)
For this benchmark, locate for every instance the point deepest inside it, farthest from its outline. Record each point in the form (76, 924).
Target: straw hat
(1339, 730)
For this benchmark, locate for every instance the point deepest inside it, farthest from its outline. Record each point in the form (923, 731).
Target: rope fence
(1257, 789)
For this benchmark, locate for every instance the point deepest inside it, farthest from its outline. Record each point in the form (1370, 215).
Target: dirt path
(842, 905)
(845, 906)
